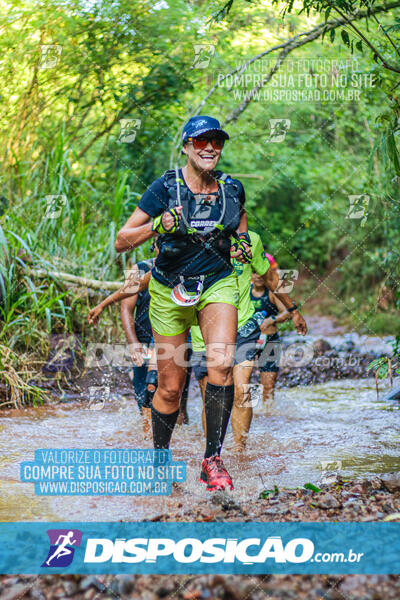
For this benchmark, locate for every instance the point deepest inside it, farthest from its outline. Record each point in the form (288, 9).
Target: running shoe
(214, 474)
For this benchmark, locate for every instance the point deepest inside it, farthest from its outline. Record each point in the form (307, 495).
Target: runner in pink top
(271, 260)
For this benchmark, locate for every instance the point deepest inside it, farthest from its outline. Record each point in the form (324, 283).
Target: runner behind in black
(139, 335)
(270, 344)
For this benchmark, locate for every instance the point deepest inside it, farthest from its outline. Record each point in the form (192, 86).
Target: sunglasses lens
(201, 143)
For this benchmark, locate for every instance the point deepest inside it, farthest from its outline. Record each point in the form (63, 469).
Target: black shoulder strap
(169, 178)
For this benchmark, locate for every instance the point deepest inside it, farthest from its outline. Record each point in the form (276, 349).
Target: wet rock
(147, 595)
(167, 589)
(193, 595)
(271, 511)
(329, 478)
(326, 502)
(11, 580)
(34, 593)
(16, 591)
(359, 488)
(283, 511)
(224, 500)
(70, 588)
(391, 481)
(321, 346)
(388, 507)
(92, 581)
(122, 585)
(376, 483)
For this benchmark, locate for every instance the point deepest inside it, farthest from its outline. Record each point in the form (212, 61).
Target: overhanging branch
(286, 47)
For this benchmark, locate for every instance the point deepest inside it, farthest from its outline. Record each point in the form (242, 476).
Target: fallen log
(94, 284)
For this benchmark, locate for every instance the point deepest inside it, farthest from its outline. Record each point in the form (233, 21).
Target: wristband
(292, 308)
(159, 227)
(273, 317)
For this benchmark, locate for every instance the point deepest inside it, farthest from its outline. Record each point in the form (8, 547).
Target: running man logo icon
(202, 57)
(61, 552)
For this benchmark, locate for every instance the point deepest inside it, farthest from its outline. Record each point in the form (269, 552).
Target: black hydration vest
(218, 236)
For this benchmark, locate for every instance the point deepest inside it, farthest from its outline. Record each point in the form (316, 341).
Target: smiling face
(257, 281)
(205, 158)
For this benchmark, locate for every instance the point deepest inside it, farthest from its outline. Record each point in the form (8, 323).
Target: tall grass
(78, 238)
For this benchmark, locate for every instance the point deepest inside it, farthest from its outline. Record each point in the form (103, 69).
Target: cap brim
(221, 132)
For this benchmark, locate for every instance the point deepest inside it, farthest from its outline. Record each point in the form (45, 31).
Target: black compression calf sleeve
(163, 426)
(218, 408)
(184, 397)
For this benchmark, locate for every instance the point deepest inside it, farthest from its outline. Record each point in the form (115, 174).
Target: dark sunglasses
(199, 143)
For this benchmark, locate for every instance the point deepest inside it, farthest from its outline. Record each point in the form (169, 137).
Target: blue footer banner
(172, 548)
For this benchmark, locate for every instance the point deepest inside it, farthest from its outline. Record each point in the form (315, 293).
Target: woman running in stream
(195, 210)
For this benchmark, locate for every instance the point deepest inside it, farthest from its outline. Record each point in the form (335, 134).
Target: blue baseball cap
(202, 124)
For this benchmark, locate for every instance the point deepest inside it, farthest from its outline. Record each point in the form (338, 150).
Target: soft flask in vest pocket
(181, 296)
(171, 246)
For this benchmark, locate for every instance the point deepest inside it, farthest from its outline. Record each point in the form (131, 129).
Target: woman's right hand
(168, 220)
(137, 352)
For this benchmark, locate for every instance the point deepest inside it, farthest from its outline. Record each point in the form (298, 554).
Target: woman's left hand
(94, 315)
(241, 252)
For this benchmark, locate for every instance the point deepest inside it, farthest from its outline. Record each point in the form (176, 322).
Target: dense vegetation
(71, 71)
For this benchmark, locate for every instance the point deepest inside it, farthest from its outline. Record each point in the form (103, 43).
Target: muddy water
(341, 422)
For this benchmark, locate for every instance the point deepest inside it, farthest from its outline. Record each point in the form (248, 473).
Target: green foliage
(384, 366)
(267, 493)
(28, 310)
(312, 487)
